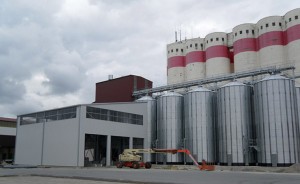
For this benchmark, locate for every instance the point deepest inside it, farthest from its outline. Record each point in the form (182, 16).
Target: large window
(111, 115)
(47, 116)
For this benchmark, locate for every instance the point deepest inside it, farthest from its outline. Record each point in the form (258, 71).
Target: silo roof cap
(199, 89)
(171, 93)
(273, 77)
(145, 98)
(234, 83)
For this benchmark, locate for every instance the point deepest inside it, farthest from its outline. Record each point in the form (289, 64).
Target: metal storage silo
(199, 124)
(245, 52)
(298, 99)
(275, 117)
(270, 41)
(176, 63)
(235, 128)
(292, 20)
(195, 59)
(217, 57)
(170, 125)
(298, 118)
(151, 127)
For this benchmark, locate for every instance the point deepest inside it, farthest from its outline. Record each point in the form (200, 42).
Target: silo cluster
(272, 41)
(236, 124)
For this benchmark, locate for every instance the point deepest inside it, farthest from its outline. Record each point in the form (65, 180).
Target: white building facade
(62, 137)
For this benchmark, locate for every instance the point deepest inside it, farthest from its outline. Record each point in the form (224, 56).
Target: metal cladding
(276, 121)
(169, 125)
(234, 124)
(199, 134)
(298, 117)
(151, 128)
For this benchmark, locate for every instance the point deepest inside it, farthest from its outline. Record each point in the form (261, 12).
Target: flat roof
(8, 119)
(127, 76)
(76, 105)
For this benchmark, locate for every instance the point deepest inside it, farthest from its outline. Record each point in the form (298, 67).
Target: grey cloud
(10, 91)
(16, 12)
(75, 50)
(63, 78)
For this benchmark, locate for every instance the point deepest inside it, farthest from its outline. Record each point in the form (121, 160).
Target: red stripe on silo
(267, 39)
(217, 51)
(176, 61)
(270, 39)
(195, 56)
(244, 45)
(293, 33)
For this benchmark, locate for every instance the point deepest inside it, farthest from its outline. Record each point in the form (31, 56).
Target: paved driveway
(157, 175)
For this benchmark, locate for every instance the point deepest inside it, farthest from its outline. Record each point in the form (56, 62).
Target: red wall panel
(120, 89)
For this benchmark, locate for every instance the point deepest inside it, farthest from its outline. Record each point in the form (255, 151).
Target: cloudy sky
(52, 52)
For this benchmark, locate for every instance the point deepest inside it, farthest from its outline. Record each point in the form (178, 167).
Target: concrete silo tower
(217, 57)
(195, 59)
(292, 22)
(244, 45)
(270, 41)
(176, 62)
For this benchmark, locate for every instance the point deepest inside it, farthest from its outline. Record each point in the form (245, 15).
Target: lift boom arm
(131, 155)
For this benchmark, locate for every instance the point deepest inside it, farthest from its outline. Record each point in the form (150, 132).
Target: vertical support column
(146, 84)
(134, 83)
(80, 116)
(108, 150)
(43, 142)
(130, 142)
(16, 140)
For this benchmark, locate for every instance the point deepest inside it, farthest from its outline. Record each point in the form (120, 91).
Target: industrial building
(272, 41)
(82, 134)
(85, 134)
(7, 138)
(236, 123)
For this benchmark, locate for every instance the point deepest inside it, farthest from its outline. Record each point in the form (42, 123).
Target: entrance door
(95, 150)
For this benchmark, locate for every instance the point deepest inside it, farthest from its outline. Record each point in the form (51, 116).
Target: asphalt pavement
(151, 176)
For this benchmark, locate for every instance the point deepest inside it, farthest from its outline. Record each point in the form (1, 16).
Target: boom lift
(130, 158)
